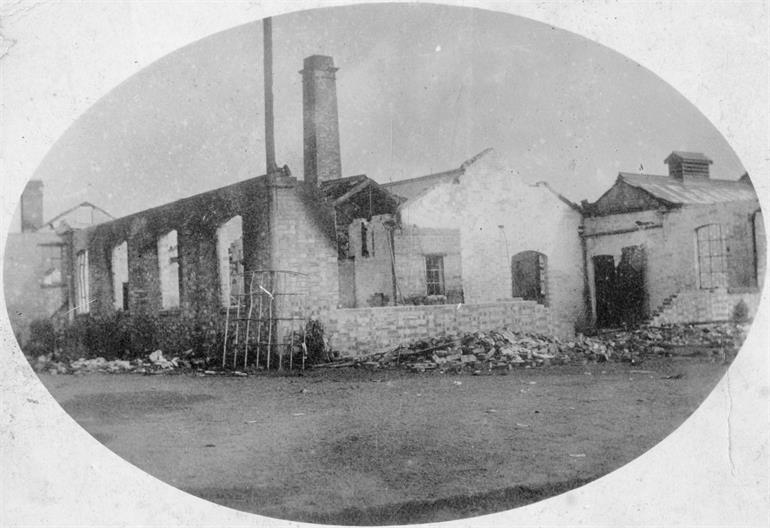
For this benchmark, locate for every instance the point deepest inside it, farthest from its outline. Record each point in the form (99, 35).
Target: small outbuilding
(686, 247)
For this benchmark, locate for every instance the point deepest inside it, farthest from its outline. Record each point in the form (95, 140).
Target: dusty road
(363, 447)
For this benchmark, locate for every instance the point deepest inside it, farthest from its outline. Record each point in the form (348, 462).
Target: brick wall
(305, 242)
(362, 330)
(196, 220)
(374, 273)
(705, 305)
(487, 197)
(672, 249)
(413, 244)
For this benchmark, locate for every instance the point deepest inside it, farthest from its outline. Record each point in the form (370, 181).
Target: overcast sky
(421, 88)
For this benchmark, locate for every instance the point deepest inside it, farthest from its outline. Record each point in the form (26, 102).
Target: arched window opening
(168, 263)
(230, 257)
(712, 261)
(529, 276)
(120, 276)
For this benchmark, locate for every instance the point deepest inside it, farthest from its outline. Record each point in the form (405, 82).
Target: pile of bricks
(479, 352)
(486, 352)
(667, 340)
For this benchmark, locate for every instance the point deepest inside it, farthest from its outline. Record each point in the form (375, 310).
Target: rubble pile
(154, 363)
(479, 352)
(475, 352)
(483, 351)
(668, 340)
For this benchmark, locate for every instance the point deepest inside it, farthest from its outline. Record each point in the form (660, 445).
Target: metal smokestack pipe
(267, 33)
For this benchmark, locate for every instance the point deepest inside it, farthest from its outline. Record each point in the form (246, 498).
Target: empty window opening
(231, 264)
(168, 263)
(52, 262)
(120, 276)
(712, 265)
(364, 240)
(528, 275)
(434, 271)
(81, 282)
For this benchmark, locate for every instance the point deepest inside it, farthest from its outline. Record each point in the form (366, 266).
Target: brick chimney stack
(686, 166)
(32, 206)
(320, 120)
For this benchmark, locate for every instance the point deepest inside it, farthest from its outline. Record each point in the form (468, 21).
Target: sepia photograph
(372, 264)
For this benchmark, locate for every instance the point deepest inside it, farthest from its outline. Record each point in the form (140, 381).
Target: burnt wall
(196, 220)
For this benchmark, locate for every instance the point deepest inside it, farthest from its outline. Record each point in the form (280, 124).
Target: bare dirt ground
(386, 447)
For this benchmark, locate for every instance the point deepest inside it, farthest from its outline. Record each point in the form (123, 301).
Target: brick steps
(667, 303)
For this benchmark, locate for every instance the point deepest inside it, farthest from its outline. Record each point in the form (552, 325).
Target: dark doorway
(631, 285)
(621, 292)
(604, 280)
(528, 273)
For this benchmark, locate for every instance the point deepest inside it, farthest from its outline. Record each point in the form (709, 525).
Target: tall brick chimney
(32, 206)
(321, 124)
(686, 166)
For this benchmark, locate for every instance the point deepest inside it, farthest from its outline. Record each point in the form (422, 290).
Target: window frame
(437, 284)
(716, 271)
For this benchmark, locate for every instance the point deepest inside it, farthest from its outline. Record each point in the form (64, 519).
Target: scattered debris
(479, 353)
(498, 351)
(577, 455)
(673, 377)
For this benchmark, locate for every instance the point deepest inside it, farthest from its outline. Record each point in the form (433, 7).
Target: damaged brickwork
(300, 238)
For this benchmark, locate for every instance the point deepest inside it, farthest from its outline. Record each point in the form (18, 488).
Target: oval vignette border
(665, 485)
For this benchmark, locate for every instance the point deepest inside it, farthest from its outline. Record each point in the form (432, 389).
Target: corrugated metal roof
(705, 191)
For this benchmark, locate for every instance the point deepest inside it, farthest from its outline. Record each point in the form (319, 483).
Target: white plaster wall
(488, 196)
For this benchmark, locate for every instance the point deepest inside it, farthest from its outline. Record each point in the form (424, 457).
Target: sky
(420, 89)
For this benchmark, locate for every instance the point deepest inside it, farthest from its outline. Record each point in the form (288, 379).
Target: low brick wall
(356, 331)
(697, 306)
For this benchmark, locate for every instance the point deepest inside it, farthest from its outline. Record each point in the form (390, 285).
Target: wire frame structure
(265, 324)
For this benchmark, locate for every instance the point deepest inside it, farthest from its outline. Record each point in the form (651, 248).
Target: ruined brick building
(35, 282)
(685, 247)
(371, 253)
(470, 248)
